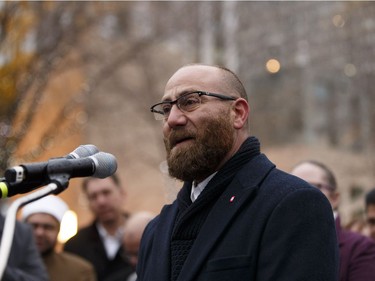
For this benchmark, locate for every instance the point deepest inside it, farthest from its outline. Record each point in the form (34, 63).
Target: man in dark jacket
(101, 241)
(236, 217)
(24, 261)
(357, 252)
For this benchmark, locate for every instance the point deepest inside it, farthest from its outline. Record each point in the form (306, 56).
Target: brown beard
(211, 142)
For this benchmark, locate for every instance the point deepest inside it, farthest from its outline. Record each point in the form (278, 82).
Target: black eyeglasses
(186, 103)
(371, 221)
(323, 186)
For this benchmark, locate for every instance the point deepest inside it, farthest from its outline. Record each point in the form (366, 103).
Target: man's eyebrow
(165, 99)
(183, 93)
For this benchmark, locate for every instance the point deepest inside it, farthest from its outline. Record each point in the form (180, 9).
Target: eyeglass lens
(185, 103)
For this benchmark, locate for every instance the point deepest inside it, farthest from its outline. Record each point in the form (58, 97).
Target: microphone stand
(59, 184)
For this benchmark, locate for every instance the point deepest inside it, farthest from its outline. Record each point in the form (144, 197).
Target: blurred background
(85, 72)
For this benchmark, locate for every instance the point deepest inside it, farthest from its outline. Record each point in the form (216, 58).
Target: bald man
(236, 217)
(134, 227)
(357, 252)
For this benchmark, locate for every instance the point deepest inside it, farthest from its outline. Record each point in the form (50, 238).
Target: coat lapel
(241, 191)
(161, 262)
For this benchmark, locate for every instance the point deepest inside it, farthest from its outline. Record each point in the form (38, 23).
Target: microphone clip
(57, 173)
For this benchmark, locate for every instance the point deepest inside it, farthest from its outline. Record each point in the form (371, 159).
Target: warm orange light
(68, 226)
(273, 66)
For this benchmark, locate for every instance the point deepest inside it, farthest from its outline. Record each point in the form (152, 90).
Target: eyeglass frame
(324, 186)
(370, 221)
(200, 93)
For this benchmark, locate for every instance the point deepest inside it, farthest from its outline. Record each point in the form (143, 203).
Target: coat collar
(241, 191)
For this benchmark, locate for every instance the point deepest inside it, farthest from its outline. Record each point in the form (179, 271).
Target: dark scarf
(191, 217)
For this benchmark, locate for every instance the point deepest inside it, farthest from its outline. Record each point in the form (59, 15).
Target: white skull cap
(51, 204)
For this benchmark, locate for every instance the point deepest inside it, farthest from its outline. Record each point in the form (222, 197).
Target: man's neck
(112, 226)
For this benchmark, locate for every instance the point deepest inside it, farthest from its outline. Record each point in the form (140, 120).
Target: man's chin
(110, 218)
(106, 220)
(46, 252)
(177, 157)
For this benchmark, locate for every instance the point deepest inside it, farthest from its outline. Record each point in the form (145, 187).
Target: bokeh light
(68, 227)
(273, 66)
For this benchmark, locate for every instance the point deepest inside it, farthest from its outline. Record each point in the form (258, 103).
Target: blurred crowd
(107, 249)
(236, 217)
(104, 250)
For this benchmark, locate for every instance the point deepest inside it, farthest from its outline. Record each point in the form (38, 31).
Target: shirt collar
(196, 190)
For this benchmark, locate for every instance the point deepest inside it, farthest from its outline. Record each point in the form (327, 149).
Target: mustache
(177, 136)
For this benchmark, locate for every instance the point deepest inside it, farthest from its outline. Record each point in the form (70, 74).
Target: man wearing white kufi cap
(45, 216)
(51, 205)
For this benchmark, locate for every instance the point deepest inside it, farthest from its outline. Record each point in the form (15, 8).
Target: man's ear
(335, 199)
(241, 111)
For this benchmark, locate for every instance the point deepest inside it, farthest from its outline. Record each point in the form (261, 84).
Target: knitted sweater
(191, 217)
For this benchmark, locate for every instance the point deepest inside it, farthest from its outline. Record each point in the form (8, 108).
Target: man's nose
(38, 230)
(176, 117)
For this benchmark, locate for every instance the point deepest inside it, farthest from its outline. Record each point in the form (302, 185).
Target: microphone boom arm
(10, 220)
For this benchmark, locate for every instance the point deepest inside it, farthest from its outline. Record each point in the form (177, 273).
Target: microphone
(82, 151)
(27, 177)
(99, 165)
(16, 174)
(10, 189)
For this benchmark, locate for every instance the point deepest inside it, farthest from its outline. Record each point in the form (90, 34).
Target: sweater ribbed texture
(190, 217)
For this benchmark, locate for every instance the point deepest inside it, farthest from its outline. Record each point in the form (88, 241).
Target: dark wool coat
(24, 261)
(88, 245)
(266, 226)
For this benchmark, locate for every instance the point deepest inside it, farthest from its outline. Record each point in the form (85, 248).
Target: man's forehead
(101, 188)
(191, 78)
(309, 172)
(100, 185)
(194, 71)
